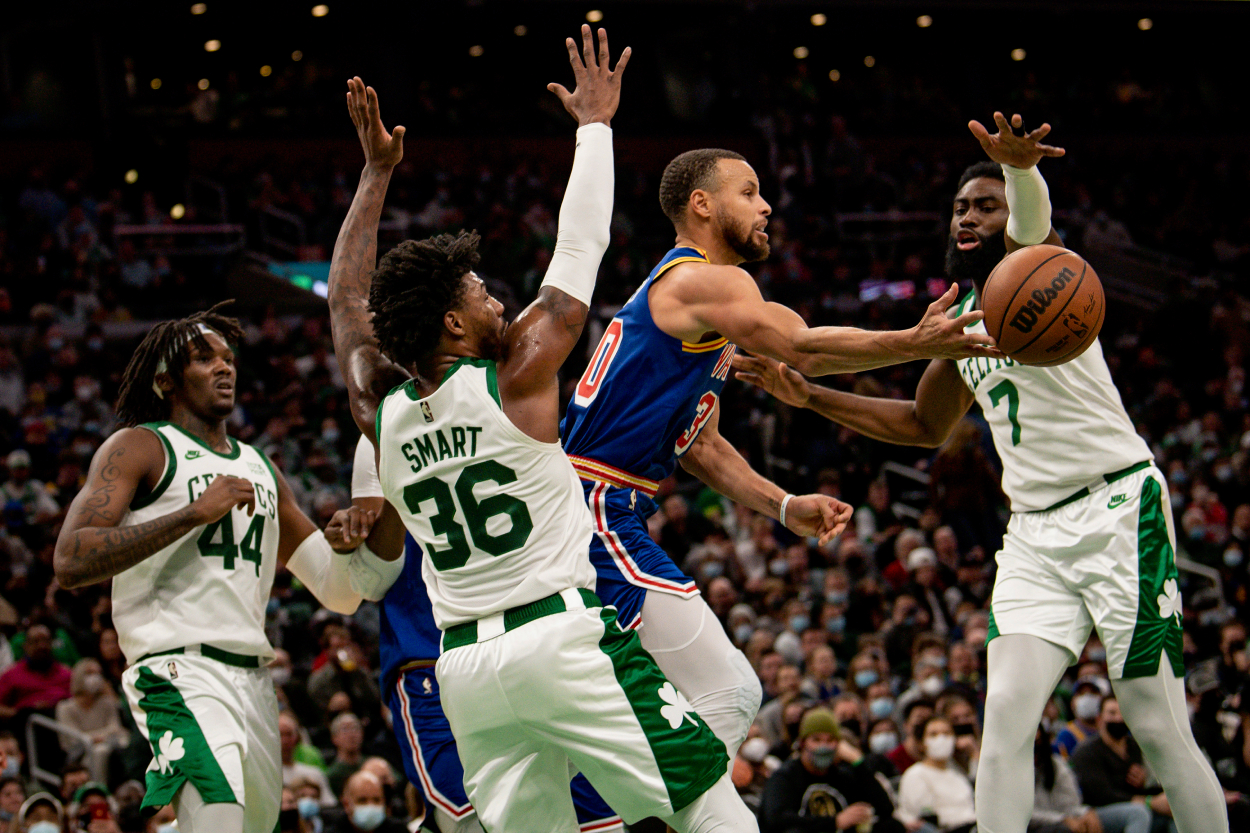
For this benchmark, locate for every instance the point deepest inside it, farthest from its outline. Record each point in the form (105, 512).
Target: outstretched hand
(774, 378)
(598, 90)
(1006, 148)
(938, 336)
(382, 149)
(817, 515)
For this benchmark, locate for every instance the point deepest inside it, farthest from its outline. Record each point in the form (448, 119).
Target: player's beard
(741, 238)
(977, 264)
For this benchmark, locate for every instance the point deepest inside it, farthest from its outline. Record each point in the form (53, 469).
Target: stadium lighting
(594, 16)
(1145, 24)
(819, 20)
(155, 83)
(178, 211)
(212, 45)
(266, 71)
(131, 177)
(520, 31)
(320, 10)
(203, 84)
(870, 61)
(924, 21)
(1017, 54)
(297, 55)
(834, 75)
(800, 52)
(199, 8)
(476, 50)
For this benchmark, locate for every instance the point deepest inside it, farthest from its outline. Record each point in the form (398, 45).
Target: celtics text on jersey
(211, 585)
(500, 515)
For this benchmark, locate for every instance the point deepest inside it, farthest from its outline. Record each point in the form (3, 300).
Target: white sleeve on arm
(326, 573)
(365, 482)
(585, 215)
(1028, 201)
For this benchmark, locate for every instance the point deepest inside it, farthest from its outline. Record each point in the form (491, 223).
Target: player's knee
(750, 693)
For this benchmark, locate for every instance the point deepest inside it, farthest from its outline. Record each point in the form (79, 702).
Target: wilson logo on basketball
(1041, 300)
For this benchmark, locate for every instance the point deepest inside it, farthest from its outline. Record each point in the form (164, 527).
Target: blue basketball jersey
(645, 396)
(408, 629)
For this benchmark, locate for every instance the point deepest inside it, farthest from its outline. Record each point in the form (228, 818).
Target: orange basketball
(1043, 305)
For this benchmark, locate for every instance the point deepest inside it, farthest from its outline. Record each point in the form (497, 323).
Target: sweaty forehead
(981, 188)
(735, 172)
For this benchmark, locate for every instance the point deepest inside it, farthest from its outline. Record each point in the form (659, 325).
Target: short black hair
(414, 286)
(691, 171)
(168, 342)
(983, 169)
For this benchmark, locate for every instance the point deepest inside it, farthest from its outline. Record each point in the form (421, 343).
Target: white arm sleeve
(365, 482)
(585, 215)
(1028, 201)
(326, 573)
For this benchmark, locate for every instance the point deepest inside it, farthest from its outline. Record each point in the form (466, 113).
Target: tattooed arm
(92, 547)
(369, 374)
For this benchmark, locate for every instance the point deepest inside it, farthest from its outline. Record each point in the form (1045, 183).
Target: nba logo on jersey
(426, 412)
(173, 670)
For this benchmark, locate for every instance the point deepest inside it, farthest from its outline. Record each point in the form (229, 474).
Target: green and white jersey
(211, 585)
(500, 516)
(1057, 429)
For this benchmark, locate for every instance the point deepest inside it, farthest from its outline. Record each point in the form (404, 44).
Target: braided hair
(414, 286)
(169, 344)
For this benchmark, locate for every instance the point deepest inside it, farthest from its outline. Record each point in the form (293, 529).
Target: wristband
(785, 501)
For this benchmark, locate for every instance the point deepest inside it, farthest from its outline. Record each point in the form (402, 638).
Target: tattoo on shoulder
(565, 310)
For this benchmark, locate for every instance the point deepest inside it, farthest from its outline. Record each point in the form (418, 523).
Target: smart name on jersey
(211, 585)
(1057, 429)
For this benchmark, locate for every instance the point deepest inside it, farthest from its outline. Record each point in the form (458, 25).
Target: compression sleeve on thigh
(1028, 201)
(365, 482)
(585, 215)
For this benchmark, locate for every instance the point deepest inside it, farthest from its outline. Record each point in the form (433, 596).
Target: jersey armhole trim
(171, 466)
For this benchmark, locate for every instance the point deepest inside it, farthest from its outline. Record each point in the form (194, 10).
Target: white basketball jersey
(500, 516)
(1057, 429)
(210, 586)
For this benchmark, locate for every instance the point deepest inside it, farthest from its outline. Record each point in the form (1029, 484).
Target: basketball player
(409, 648)
(649, 397)
(535, 674)
(190, 525)
(1090, 544)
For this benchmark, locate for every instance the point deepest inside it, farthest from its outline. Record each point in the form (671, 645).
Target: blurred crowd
(870, 650)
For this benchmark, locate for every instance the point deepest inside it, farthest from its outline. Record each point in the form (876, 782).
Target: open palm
(382, 149)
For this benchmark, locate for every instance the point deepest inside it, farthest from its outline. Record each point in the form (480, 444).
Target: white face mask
(939, 747)
(1085, 707)
(931, 686)
(882, 742)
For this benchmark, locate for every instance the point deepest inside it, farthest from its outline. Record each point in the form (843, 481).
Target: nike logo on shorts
(1116, 501)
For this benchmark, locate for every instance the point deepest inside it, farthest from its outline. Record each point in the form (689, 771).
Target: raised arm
(543, 335)
(941, 400)
(91, 546)
(715, 461)
(369, 375)
(1028, 199)
(726, 300)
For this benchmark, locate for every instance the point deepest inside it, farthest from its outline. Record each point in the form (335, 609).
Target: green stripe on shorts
(180, 751)
(992, 630)
(1158, 625)
(690, 758)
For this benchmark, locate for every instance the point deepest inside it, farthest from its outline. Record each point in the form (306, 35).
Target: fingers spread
(968, 319)
(588, 47)
(603, 49)
(978, 130)
(622, 61)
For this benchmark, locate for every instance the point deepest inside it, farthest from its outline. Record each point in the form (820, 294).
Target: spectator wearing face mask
(911, 749)
(92, 710)
(1109, 768)
(935, 790)
(364, 808)
(927, 682)
(41, 813)
(751, 770)
(1057, 805)
(308, 803)
(788, 685)
(1086, 700)
(825, 787)
(962, 716)
(883, 738)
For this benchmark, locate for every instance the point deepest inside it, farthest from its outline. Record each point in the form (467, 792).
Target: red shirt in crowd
(21, 687)
(901, 758)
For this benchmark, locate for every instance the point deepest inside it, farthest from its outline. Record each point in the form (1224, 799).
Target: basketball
(1043, 305)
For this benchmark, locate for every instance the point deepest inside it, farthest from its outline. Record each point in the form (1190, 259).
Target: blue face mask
(799, 623)
(865, 678)
(44, 827)
(822, 756)
(880, 707)
(835, 624)
(834, 597)
(309, 807)
(742, 633)
(368, 816)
